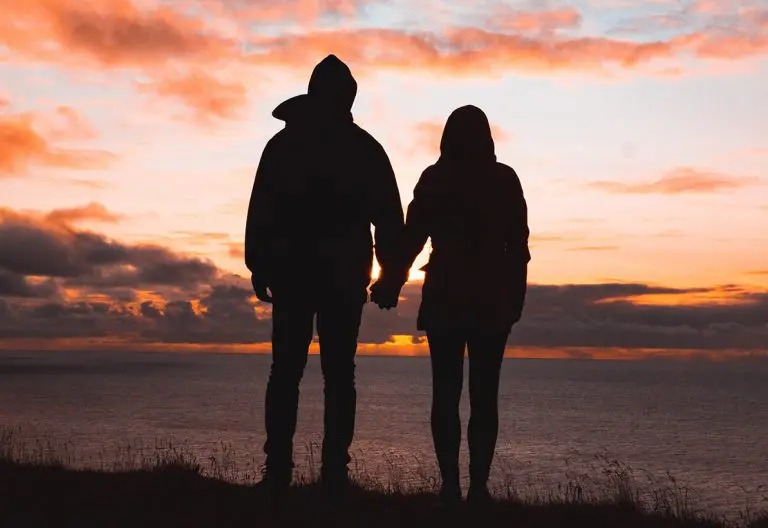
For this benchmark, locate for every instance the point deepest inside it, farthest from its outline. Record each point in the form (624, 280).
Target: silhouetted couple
(321, 182)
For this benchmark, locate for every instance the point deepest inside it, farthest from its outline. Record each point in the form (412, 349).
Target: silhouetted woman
(473, 209)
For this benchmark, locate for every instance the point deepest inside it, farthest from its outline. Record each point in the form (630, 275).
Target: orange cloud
(202, 38)
(117, 33)
(90, 212)
(109, 33)
(201, 237)
(205, 95)
(88, 184)
(22, 146)
(458, 50)
(235, 250)
(726, 46)
(304, 12)
(678, 181)
(481, 51)
(534, 21)
(68, 124)
(711, 6)
(538, 239)
(593, 248)
(649, 23)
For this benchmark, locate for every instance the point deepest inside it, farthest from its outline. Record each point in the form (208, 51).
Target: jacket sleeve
(517, 240)
(261, 216)
(417, 223)
(387, 212)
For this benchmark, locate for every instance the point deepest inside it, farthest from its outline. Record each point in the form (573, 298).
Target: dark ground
(36, 496)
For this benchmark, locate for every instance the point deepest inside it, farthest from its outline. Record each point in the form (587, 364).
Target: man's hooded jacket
(321, 182)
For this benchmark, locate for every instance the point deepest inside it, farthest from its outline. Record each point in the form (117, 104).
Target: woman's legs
(446, 351)
(486, 352)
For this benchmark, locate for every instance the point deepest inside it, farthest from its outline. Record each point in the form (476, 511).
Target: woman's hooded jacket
(473, 209)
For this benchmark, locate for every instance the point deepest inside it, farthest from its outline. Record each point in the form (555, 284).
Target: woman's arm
(413, 237)
(517, 233)
(418, 220)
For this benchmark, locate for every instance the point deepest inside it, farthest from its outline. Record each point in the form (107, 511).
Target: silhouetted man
(321, 183)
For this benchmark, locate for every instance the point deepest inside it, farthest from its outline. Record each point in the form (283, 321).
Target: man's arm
(387, 212)
(414, 236)
(260, 223)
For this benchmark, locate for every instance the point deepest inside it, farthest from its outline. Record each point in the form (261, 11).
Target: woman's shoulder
(430, 171)
(429, 175)
(505, 170)
(508, 175)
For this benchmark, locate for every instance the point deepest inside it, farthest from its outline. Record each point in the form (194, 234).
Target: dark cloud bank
(60, 281)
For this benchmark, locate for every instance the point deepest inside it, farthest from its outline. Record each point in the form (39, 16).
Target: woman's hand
(385, 293)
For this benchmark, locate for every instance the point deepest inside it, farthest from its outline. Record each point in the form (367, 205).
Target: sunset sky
(130, 132)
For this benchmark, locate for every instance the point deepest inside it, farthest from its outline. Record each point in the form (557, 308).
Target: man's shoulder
(277, 140)
(366, 139)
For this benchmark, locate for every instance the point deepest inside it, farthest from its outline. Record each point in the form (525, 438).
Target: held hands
(385, 293)
(261, 289)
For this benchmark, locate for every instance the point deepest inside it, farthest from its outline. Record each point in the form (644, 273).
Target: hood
(331, 93)
(467, 136)
(332, 85)
(293, 109)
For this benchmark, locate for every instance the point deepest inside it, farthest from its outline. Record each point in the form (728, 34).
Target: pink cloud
(505, 18)
(521, 40)
(118, 34)
(679, 181)
(206, 96)
(66, 124)
(109, 33)
(467, 50)
(94, 212)
(151, 40)
(305, 12)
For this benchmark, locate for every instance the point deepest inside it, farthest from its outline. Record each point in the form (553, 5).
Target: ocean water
(705, 424)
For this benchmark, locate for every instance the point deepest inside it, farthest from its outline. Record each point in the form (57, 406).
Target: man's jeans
(338, 322)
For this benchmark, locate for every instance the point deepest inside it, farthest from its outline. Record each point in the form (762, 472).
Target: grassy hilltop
(168, 487)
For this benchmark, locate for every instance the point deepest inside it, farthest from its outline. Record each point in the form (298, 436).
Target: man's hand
(261, 289)
(517, 312)
(385, 293)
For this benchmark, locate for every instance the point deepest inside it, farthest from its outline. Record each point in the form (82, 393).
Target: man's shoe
(274, 484)
(479, 495)
(335, 483)
(450, 494)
